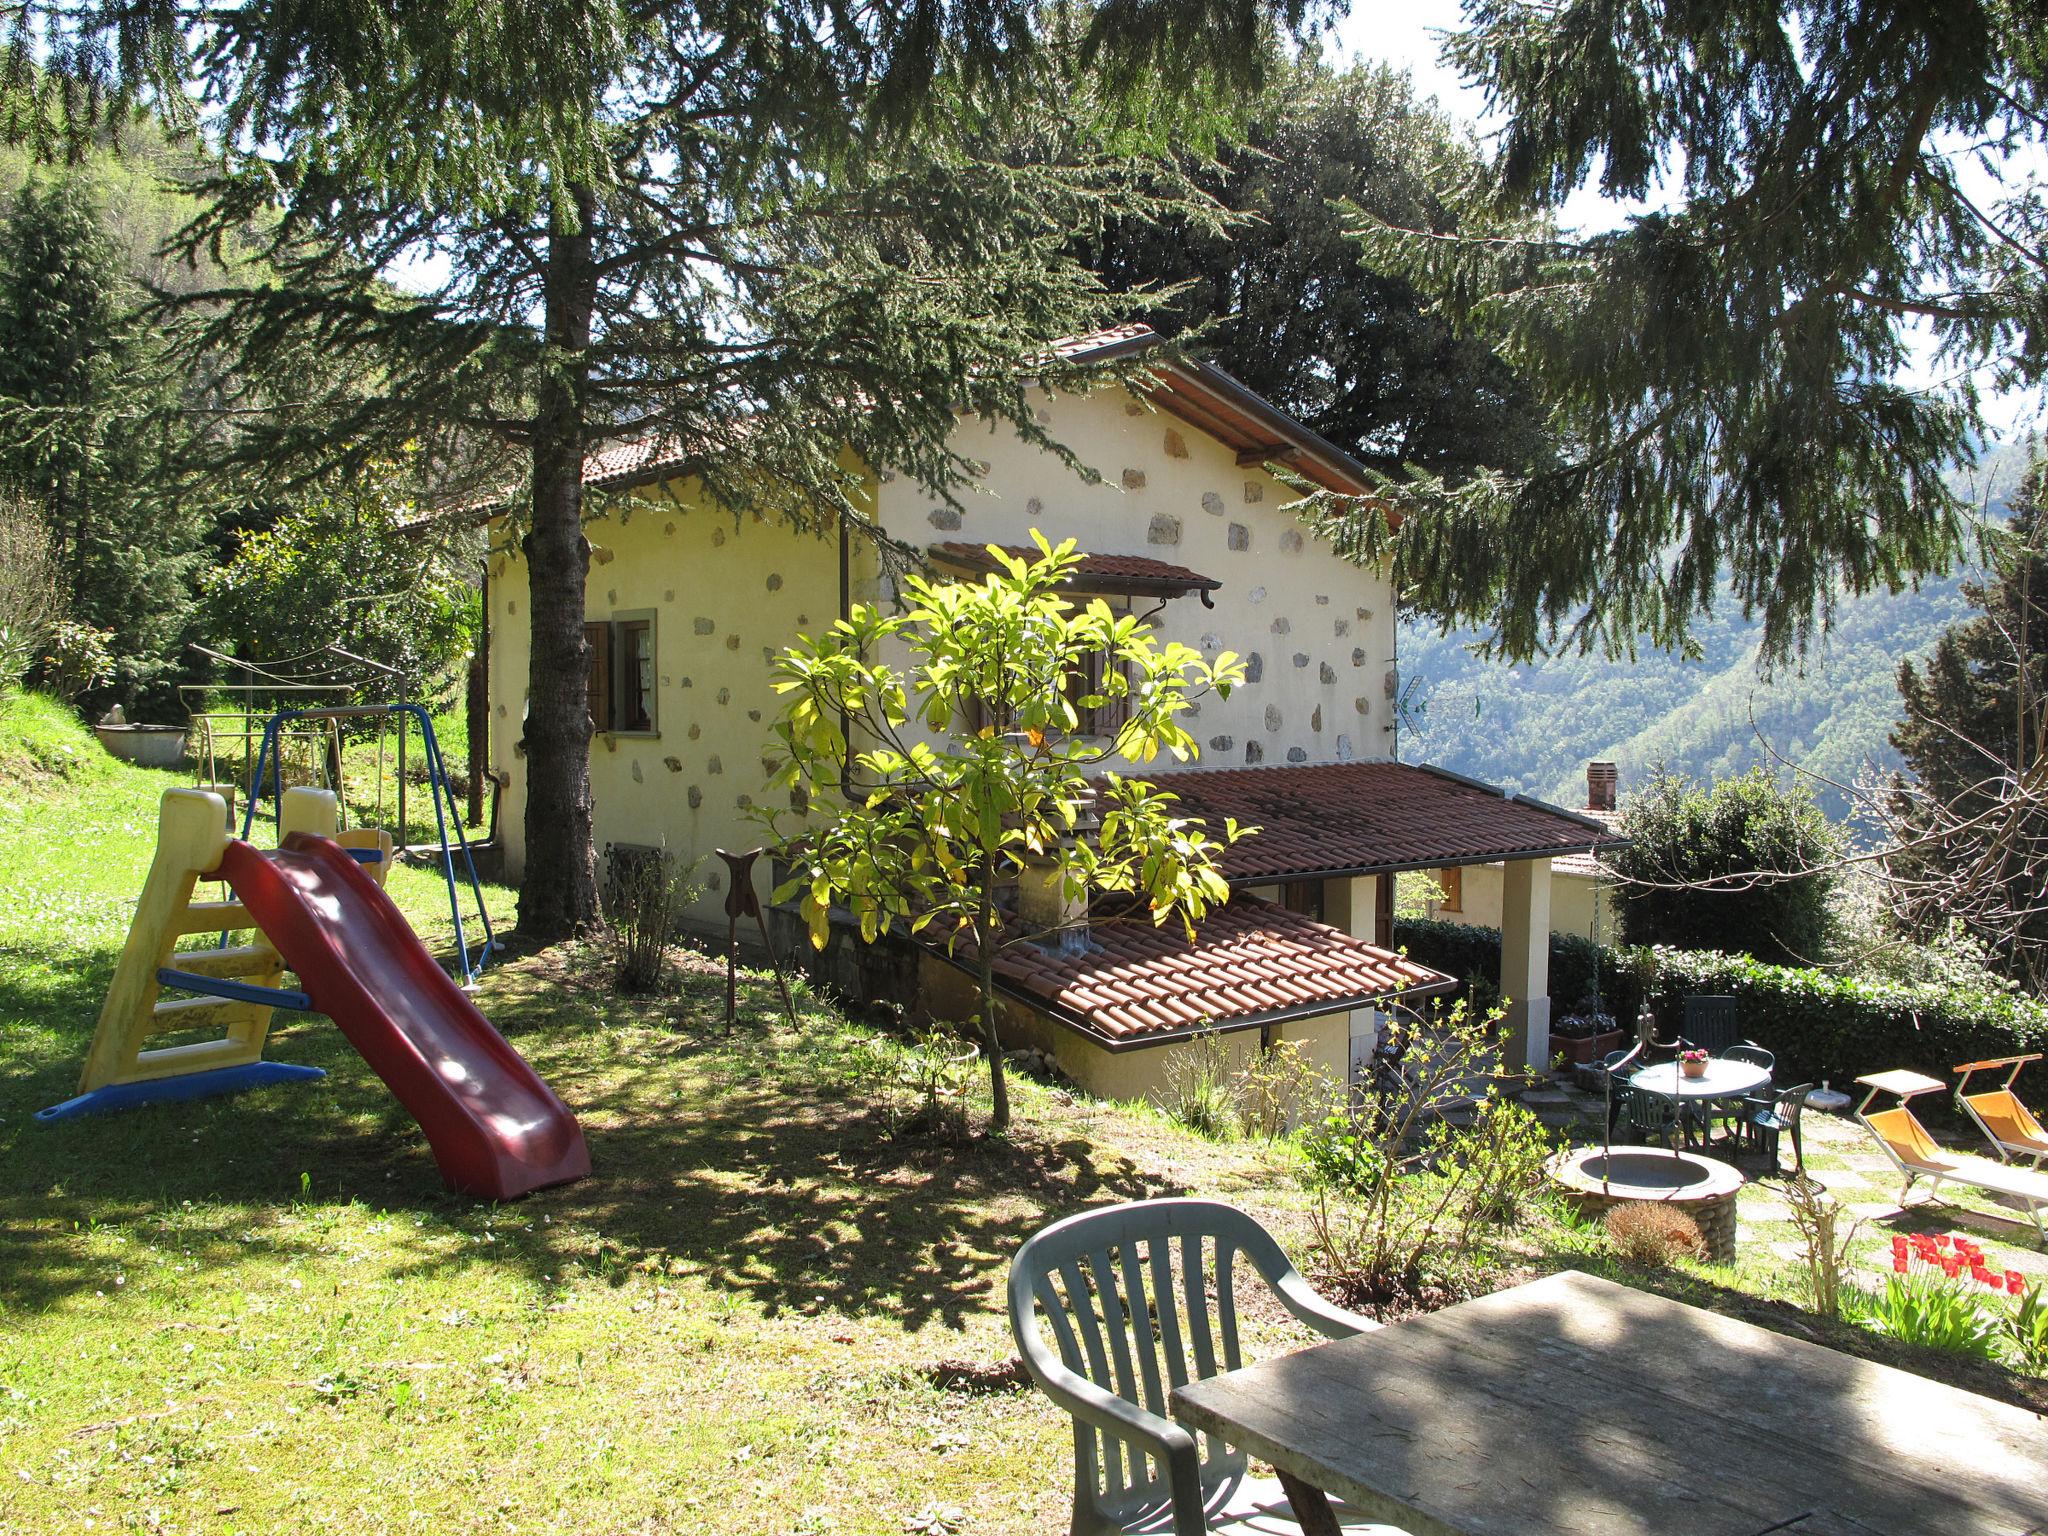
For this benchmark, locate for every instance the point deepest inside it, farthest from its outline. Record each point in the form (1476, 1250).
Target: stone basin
(1597, 1179)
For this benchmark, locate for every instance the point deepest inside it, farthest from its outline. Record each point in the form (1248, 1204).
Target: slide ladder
(315, 908)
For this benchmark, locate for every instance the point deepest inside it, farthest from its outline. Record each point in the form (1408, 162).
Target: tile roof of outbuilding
(1251, 962)
(1139, 571)
(1324, 820)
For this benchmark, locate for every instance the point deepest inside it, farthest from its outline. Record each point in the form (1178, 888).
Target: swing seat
(362, 843)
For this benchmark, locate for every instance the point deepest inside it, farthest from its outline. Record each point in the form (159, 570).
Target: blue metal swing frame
(446, 812)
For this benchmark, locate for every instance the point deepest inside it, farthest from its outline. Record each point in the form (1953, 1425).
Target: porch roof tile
(1250, 962)
(1096, 572)
(1325, 820)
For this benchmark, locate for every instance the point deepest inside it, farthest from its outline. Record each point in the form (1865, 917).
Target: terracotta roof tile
(1332, 819)
(1250, 962)
(1588, 865)
(1115, 572)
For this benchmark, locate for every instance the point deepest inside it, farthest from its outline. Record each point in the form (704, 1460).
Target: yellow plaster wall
(1318, 631)
(947, 994)
(725, 598)
(1574, 900)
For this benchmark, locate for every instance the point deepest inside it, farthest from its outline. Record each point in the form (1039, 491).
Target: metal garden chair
(1138, 1300)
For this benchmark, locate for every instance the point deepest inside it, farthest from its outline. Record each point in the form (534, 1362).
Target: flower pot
(1693, 1068)
(1587, 1049)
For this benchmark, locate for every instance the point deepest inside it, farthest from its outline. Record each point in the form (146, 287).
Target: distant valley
(1533, 728)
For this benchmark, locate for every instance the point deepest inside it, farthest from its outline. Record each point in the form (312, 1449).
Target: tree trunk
(558, 893)
(985, 946)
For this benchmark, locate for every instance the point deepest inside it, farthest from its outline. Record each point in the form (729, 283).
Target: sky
(1407, 35)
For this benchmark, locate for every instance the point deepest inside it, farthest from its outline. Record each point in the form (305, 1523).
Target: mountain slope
(1533, 728)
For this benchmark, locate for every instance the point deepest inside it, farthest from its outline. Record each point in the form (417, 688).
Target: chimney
(1600, 785)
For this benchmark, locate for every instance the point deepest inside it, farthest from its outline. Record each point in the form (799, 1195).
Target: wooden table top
(1578, 1406)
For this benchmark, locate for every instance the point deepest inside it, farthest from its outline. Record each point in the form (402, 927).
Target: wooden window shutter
(598, 637)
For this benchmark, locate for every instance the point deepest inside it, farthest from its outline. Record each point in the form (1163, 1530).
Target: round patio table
(1721, 1080)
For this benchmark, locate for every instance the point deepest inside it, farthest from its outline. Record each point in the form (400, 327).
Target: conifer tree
(766, 234)
(89, 429)
(1353, 352)
(1973, 736)
(1724, 372)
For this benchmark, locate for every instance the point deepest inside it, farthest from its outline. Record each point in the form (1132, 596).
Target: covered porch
(1332, 837)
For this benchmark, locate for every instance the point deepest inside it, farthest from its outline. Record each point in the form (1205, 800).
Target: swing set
(285, 747)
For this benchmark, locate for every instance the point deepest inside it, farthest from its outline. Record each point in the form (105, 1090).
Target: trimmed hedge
(1819, 1025)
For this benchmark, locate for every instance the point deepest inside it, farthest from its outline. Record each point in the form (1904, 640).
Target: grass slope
(265, 1314)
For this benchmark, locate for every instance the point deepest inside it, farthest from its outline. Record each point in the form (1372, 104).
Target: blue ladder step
(234, 991)
(175, 1090)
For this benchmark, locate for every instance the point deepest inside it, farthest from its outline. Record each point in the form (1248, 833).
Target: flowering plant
(1955, 1256)
(1693, 1053)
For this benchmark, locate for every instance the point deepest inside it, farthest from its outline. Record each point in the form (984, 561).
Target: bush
(1819, 1025)
(1654, 1235)
(1198, 1088)
(1401, 1190)
(642, 895)
(29, 600)
(1683, 835)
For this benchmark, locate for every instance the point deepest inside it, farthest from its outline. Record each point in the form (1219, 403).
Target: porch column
(1525, 960)
(1353, 906)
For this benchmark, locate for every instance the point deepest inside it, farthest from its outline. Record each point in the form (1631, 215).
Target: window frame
(610, 672)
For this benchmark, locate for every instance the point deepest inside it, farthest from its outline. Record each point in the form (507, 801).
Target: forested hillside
(1533, 728)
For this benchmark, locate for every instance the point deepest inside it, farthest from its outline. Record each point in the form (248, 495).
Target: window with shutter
(635, 647)
(598, 685)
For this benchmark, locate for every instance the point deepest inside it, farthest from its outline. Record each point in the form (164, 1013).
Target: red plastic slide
(497, 1130)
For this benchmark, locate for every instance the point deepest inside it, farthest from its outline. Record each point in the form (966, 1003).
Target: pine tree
(780, 238)
(1973, 734)
(1353, 352)
(88, 430)
(1724, 371)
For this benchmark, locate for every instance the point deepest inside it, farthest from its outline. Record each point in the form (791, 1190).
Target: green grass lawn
(264, 1313)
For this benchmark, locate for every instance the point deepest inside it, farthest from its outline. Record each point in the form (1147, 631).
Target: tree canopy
(1353, 352)
(1969, 825)
(1745, 866)
(778, 238)
(1723, 374)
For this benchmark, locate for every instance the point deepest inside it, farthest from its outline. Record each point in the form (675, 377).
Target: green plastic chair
(1138, 1299)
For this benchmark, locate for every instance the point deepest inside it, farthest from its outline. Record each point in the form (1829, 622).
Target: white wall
(1317, 630)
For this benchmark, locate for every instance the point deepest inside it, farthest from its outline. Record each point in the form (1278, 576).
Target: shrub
(1281, 1088)
(29, 601)
(1825, 1245)
(1400, 1189)
(642, 895)
(1683, 835)
(1654, 1235)
(1198, 1088)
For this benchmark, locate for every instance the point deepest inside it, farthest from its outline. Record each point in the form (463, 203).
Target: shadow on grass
(757, 1161)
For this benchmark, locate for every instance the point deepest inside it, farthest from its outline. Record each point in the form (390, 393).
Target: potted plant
(1586, 1034)
(1693, 1062)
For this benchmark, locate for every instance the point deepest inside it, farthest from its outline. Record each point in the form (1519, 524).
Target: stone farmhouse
(1188, 524)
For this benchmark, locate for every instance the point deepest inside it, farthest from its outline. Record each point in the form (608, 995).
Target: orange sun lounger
(2007, 1124)
(1919, 1156)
